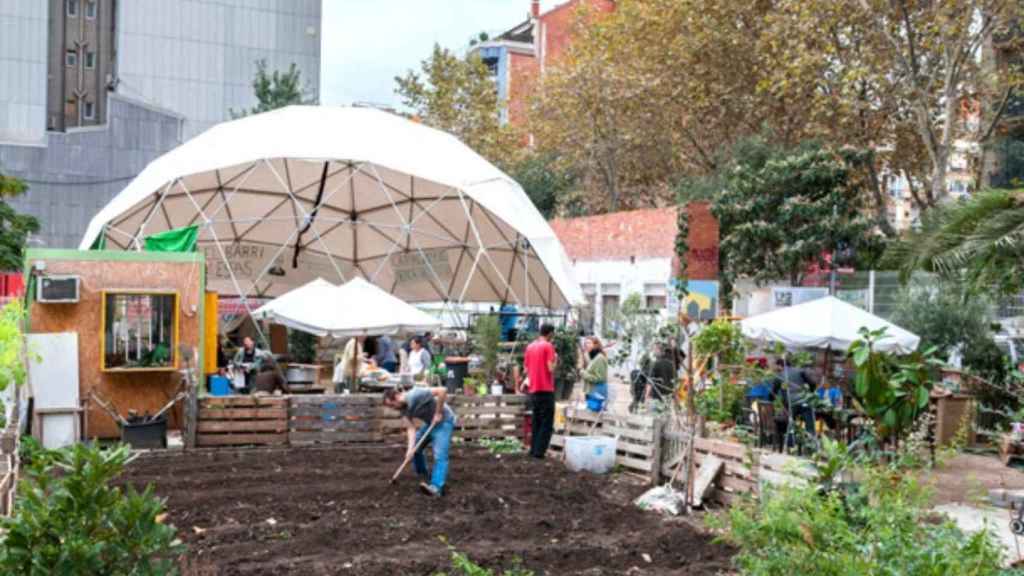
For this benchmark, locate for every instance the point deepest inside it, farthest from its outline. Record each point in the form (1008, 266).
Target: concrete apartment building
(96, 89)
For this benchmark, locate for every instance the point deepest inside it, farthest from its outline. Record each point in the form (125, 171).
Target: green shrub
(502, 445)
(69, 519)
(722, 401)
(463, 566)
(884, 527)
(486, 340)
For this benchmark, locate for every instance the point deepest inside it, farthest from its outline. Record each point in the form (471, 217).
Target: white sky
(366, 43)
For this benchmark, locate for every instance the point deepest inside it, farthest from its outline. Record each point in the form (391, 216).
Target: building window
(72, 8)
(90, 59)
(588, 311)
(610, 320)
(655, 297)
(140, 331)
(88, 111)
(90, 9)
(71, 58)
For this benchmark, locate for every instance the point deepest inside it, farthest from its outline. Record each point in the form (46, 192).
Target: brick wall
(556, 27)
(702, 259)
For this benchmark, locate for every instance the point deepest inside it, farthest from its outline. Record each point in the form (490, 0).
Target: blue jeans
(599, 394)
(440, 440)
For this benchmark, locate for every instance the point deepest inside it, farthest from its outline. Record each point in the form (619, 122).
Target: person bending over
(422, 407)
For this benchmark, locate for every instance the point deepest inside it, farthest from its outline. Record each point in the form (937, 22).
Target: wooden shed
(138, 317)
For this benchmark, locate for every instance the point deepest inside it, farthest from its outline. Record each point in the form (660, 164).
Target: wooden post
(656, 432)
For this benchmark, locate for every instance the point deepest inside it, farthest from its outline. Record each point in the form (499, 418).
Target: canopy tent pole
(156, 206)
(306, 217)
(220, 248)
(479, 241)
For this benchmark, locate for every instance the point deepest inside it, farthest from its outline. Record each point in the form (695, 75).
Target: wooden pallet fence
(341, 419)
(639, 438)
(10, 463)
(500, 416)
(242, 420)
(746, 470)
(313, 419)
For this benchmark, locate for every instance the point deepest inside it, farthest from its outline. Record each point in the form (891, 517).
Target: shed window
(140, 331)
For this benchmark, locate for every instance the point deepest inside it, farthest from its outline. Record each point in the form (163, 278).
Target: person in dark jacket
(664, 374)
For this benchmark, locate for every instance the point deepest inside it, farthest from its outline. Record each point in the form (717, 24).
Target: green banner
(177, 240)
(100, 243)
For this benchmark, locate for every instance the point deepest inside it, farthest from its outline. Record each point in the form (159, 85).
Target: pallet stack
(340, 419)
(242, 421)
(639, 437)
(490, 416)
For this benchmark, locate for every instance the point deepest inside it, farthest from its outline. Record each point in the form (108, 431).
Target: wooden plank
(336, 425)
(616, 419)
(510, 399)
(334, 437)
(243, 426)
(634, 463)
(706, 475)
(472, 410)
(489, 434)
(336, 399)
(354, 410)
(732, 467)
(239, 413)
(722, 449)
(606, 430)
(243, 401)
(737, 485)
(645, 451)
(240, 439)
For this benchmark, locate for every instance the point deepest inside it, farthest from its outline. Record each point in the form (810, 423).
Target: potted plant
(486, 339)
(470, 385)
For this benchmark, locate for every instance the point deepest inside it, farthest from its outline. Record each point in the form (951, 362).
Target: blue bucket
(595, 402)
(219, 386)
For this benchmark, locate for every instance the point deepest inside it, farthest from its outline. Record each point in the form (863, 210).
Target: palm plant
(979, 241)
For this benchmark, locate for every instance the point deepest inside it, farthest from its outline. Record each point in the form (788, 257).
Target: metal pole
(832, 279)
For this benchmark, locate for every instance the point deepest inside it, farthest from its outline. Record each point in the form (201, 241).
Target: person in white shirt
(419, 358)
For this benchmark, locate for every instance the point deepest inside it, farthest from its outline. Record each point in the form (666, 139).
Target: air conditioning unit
(58, 289)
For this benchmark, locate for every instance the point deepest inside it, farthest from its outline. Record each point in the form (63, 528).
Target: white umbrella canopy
(826, 323)
(302, 192)
(357, 308)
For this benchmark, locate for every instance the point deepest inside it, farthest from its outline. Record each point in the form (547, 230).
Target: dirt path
(967, 476)
(331, 511)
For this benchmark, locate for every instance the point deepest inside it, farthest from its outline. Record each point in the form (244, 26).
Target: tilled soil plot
(331, 511)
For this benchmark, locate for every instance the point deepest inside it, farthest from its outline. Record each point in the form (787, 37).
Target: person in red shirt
(539, 364)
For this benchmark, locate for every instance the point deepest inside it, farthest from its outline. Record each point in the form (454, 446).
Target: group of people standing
(414, 358)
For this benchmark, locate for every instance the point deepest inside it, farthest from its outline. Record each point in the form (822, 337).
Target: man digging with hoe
(428, 406)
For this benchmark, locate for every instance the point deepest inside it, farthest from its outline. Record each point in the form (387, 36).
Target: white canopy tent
(287, 196)
(826, 323)
(357, 308)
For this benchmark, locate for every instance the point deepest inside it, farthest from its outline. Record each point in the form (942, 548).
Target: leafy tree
(911, 72)
(781, 210)
(275, 90)
(647, 93)
(945, 316)
(978, 241)
(544, 182)
(653, 91)
(457, 95)
(14, 227)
